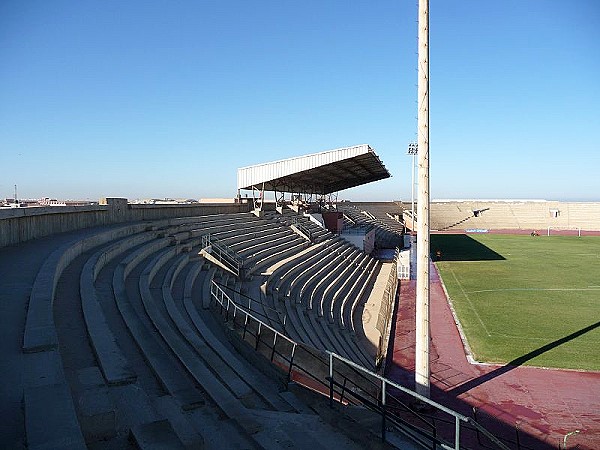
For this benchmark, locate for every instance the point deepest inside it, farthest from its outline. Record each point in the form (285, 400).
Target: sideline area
(546, 404)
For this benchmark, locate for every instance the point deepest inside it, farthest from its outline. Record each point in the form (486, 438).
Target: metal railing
(251, 324)
(346, 382)
(303, 229)
(223, 253)
(281, 317)
(356, 229)
(459, 419)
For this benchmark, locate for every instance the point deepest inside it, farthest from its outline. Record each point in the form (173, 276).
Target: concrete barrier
(22, 224)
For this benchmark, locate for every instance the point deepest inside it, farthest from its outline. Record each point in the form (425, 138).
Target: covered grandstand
(317, 174)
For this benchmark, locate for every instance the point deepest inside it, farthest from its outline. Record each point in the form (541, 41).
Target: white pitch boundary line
(470, 303)
(589, 288)
(532, 338)
(527, 338)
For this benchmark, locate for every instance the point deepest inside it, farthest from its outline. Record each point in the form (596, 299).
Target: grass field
(526, 300)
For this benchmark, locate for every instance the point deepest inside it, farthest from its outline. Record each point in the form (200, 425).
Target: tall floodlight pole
(422, 307)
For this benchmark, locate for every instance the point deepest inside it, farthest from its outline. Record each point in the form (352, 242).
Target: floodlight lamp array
(413, 148)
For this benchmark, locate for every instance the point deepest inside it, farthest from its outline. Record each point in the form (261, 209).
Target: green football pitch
(523, 299)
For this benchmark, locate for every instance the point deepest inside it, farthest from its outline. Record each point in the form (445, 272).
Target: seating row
(152, 276)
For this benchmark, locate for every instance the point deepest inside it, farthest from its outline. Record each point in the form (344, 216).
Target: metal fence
(423, 431)
(303, 229)
(349, 383)
(223, 253)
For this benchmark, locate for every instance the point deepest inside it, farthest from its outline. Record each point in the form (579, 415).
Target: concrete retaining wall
(22, 224)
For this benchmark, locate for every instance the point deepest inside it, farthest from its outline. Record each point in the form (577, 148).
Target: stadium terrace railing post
(477, 430)
(457, 433)
(226, 309)
(274, 343)
(343, 390)
(220, 303)
(289, 375)
(331, 380)
(258, 335)
(383, 409)
(517, 436)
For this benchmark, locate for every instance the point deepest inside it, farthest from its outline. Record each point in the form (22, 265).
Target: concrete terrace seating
(222, 360)
(232, 385)
(48, 388)
(161, 362)
(259, 245)
(158, 361)
(314, 292)
(289, 218)
(386, 236)
(513, 214)
(47, 395)
(114, 365)
(281, 282)
(314, 289)
(144, 265)
(382, 213)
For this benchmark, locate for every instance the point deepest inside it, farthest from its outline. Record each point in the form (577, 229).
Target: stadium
(286, 320)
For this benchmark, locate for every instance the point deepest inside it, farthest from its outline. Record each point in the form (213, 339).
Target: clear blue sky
(168, 98)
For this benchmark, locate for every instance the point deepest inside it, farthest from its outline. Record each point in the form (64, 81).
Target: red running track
(545, 403)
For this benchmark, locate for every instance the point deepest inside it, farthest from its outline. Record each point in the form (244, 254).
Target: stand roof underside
(319, 173)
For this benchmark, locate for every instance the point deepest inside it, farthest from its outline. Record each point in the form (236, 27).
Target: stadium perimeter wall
(22, 224)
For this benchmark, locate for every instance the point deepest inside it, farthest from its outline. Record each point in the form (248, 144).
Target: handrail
(249, 307)
(224, 254)
(385, 382)
(312, 351)
(296, 222)
(237, 307)
(227, 303)
(377, 406)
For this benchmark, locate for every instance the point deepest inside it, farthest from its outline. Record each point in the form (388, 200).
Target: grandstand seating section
(121, 344)
(525, 215)
(388, 231)
(142, 293)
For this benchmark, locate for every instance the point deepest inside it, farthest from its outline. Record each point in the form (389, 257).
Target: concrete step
(162, 364)
(50, 419)
(157, 435)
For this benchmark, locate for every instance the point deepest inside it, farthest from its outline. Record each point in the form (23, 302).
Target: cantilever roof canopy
(319, 173)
